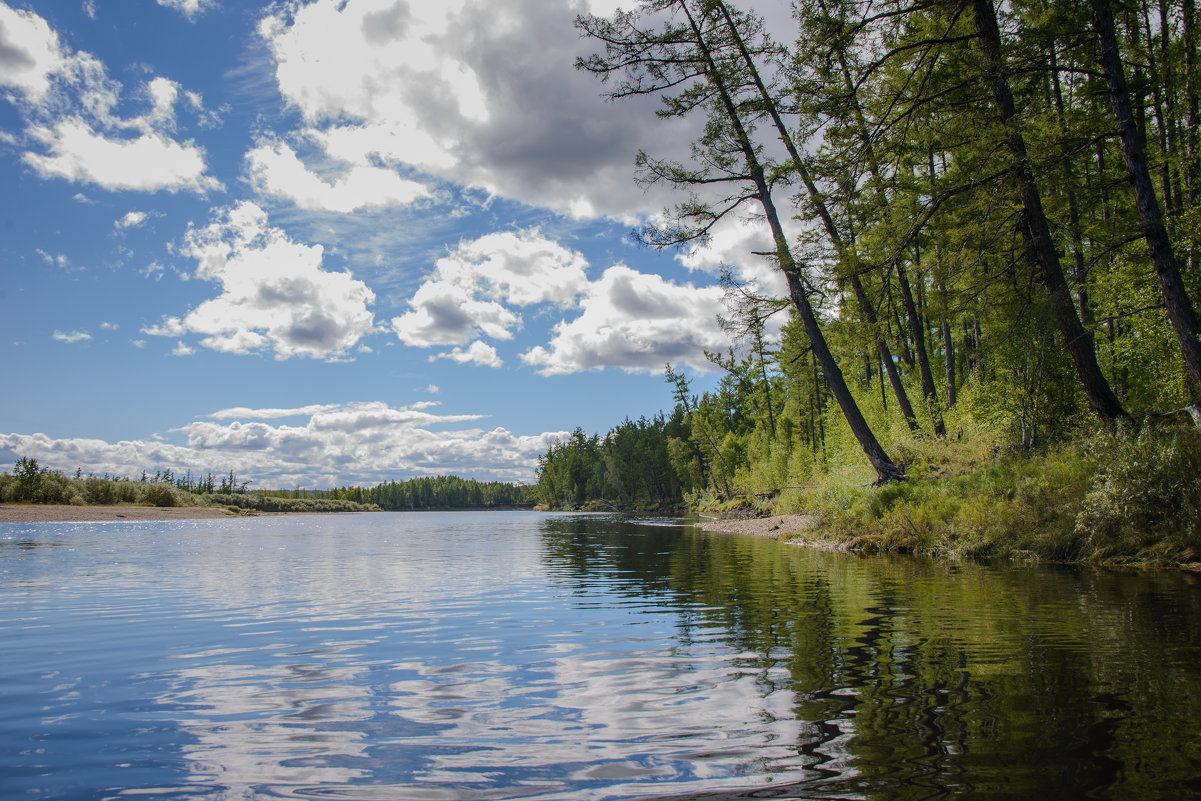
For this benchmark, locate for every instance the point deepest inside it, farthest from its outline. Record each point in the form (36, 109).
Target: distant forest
(29, 482)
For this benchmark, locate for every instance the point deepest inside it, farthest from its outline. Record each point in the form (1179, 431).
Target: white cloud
(477, 352)
(147, 163)
(455, 89)
(182, 349)
(247, 413)
(69, 105)
(71, 337)
(30, 53)
(637, 322)
(275, 169)
(131, 219)
(189, 8)
(59, 260)
(470, 290)
(107, 326)
(354, 443)
(275, 295)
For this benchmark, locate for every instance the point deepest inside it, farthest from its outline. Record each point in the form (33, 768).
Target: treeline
(439, 492)
(637, 465)
(29, 482)
(985, 217)
(422, 493)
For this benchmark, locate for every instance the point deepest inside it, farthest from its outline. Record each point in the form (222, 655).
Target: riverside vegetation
(31, 483)
(991, 345)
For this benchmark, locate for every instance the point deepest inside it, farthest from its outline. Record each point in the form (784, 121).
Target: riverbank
(1115, 498)
(63, 513)
(773, 526)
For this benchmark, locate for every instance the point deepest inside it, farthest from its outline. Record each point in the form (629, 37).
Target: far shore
(56, 513)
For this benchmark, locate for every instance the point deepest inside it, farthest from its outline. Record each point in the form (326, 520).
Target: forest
(30, 482)
(985, 217)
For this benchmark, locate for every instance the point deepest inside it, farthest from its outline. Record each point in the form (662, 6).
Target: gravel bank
(50, 513)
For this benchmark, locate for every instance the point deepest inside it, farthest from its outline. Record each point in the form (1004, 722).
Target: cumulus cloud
(477, 352)
(71, 337)
(470, 290)
(338, 444)
(454, 89)
(69, 103)
(626, 319)
(276, 170)
(152, 161)
(637, 322)
(275, 295)
(30, 53)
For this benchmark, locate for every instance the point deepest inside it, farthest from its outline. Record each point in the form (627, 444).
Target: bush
(1146, 503)
(268, 503)
(163, 494)
(99, 490)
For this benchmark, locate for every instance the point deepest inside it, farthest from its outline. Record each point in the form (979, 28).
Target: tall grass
(1114, 496)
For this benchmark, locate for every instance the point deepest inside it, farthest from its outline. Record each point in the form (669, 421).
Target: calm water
(521, 655)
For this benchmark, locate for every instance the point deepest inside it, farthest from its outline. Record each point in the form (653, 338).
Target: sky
(331, 242)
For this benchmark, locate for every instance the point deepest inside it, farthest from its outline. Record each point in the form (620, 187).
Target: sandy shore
(49, 513)
(772, 526)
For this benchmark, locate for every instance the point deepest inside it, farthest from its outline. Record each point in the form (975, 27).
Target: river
(521, 655)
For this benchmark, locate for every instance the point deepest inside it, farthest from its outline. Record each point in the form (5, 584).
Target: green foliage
(30, 483)
(1146, 502)
(1112, 496)
(438, 492)
(643, 464)
(268, 503)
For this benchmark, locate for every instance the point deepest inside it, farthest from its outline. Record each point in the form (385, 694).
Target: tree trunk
(919, 346)
(1076, 339)
(835, 237)
(1167, 271)
(890, 366)
(886, 469)
(948, 351)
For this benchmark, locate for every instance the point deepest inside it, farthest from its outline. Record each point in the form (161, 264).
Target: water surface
(523, 655)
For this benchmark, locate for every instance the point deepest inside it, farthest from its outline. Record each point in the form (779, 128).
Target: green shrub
(99, 490)
(1146, 503)
(269, 503)
(162, 494)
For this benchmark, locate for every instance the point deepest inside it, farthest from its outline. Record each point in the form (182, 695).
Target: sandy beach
(50, 513)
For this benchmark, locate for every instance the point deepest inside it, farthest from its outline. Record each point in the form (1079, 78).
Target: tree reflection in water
(918, 680)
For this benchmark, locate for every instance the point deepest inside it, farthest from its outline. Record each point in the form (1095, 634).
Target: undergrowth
(1114, 496)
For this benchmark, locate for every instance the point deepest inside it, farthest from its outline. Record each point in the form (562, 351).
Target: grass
(1113, 497)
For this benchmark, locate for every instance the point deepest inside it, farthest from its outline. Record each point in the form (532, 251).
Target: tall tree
(693, 50)
(1134, 151)
(1036, 228)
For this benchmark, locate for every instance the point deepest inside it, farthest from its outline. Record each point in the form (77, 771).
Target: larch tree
(693, 63)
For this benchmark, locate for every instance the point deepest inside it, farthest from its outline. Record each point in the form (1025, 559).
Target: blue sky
(332, 241)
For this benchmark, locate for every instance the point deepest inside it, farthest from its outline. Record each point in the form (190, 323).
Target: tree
(1134, 152)
(1035, 228)
(695, 56)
